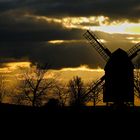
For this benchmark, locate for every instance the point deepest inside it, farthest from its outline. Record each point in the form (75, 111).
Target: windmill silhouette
(118, 82)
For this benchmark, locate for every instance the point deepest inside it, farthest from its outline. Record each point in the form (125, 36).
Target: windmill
(118, 82)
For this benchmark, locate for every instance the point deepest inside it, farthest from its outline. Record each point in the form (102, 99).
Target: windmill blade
(133, 51)
(96, 43)
(96, 87)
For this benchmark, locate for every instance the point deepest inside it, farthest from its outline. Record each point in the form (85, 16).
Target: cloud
(67, 53)
(62, 55)
(19, 27)
(114, 9)
(111, 8)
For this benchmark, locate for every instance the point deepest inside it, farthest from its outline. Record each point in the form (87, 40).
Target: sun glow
(123, 28)
(65, 41)
(82, 68)
(104, 24)
(99, 23)
(15, 65)
(11, 66)
(56, 41)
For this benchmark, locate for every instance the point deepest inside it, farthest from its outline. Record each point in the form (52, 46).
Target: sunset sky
(51, 31)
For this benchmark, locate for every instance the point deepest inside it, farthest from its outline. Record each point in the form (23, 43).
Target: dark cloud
(111, 8)
(58, 56)
(41, 35)
(70, 54)
(115, 9)
(17, 27)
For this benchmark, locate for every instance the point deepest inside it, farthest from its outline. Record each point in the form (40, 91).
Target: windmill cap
(119, 58)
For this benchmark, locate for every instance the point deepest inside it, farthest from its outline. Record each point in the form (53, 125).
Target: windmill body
(119, 78)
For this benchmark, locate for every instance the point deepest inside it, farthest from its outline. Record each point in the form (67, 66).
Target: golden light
(56, 41)
(15, 65)
(130, 38)
(11, 66)
(65, 41)
(134, 41)
(87, 74)
(99, 23)
(83, 68)
(102, 20)
(134, 28)
(122, 28)
(102, 40)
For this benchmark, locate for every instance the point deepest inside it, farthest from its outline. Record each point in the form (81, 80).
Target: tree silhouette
(60, 92)
(35, 87)
(77, 92)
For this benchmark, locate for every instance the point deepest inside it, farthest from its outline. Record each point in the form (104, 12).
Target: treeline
(36, 88)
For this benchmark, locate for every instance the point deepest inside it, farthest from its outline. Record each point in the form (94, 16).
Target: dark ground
(46, 121)
(9, 108)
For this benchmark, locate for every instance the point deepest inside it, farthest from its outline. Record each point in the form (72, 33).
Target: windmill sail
(137, 89)
(96, 43)
(133, 51)
(96, 87)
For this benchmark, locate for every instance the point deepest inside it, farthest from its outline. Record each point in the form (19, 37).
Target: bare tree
(35, 86)
(60, 92)
(77, 92)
